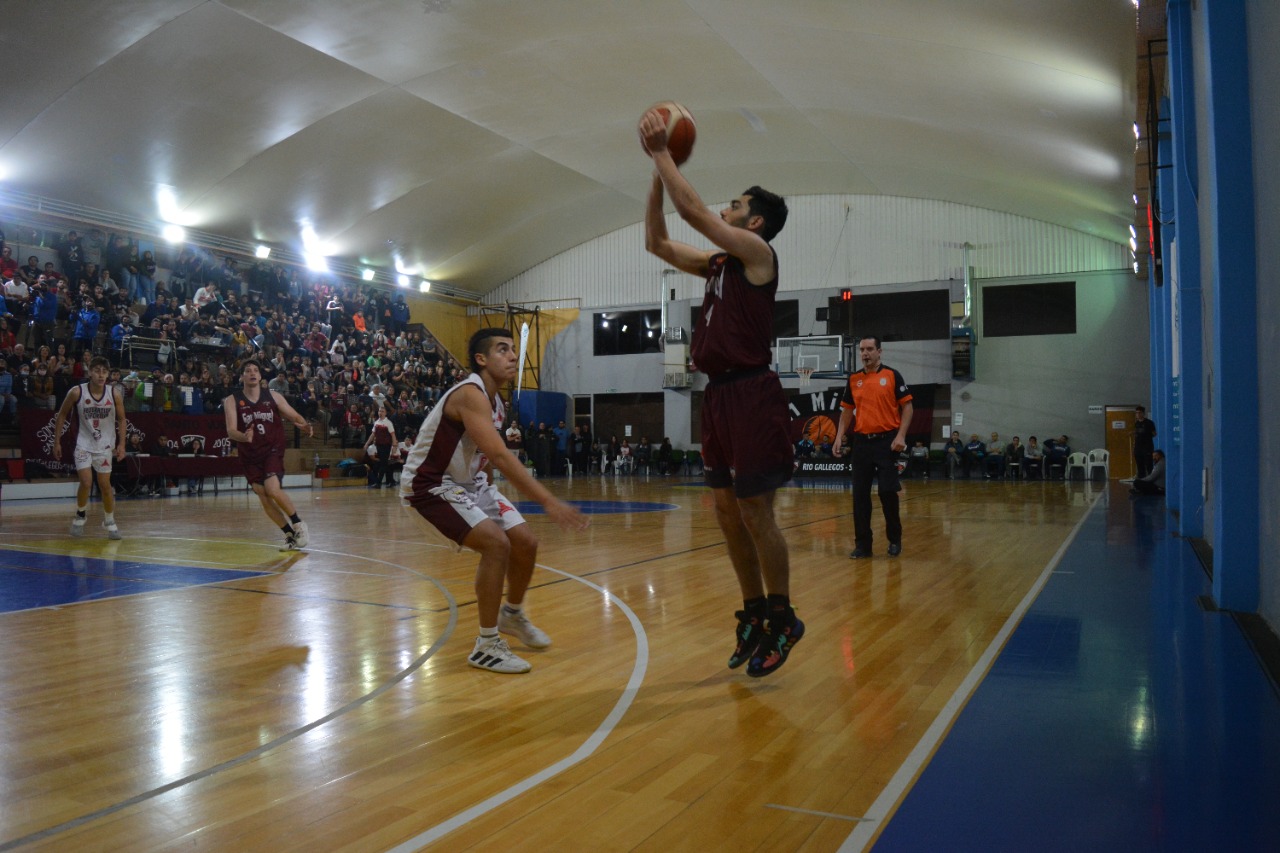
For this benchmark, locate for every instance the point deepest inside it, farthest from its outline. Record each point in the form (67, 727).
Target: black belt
(737, 373)
(873, 436)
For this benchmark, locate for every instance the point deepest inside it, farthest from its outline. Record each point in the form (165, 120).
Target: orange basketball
(681, 130)
(820, 429)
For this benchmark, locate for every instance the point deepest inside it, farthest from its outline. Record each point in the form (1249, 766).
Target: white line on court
(584, 751)
(911, 767)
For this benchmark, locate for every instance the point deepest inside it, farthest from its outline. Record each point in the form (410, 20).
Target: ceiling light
(316, 262)
(402, 280)
(425, 287)
(263, 252)
(1137, 132)
(367, 275)
(1133, 232)
(174, 233)
(1133, 244)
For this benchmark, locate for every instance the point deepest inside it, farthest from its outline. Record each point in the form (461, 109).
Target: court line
(815, 813)
(584, 751)
(199, 775)
(881, 810)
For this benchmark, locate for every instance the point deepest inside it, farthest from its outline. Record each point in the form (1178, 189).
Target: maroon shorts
(746, 434)
(256, 471)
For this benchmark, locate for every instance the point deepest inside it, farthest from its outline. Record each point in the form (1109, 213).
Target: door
(1120, 421)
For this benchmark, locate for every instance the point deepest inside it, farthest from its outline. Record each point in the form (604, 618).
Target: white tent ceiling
(476, 138)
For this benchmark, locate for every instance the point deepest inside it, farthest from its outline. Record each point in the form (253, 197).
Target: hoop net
(805, 374)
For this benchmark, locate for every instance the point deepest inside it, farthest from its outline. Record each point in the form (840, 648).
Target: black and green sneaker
(747, 636)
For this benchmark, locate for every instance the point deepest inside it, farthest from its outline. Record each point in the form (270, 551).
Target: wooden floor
(327, 705)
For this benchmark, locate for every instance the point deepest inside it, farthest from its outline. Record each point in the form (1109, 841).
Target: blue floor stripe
(599, 507)
(30, 579)
(1120, 716)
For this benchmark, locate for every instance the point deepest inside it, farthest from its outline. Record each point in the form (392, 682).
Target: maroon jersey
(735, 328)
(264, 420)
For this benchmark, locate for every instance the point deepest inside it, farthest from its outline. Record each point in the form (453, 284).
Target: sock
(109, 518)
(780, 610)
(287, 530)
(488, 633)
(512, 609)
(756, 608)
(294, 518)
(80, 512)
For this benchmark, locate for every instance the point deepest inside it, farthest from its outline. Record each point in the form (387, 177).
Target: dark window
(916, 315)
(786, 318)
(628, 332)
(1029, 309)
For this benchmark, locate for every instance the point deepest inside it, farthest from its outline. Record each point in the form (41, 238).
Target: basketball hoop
(805, 374)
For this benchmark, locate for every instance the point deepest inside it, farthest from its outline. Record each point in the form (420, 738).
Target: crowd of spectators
(552, 450)
(337, 350)
(991, 460)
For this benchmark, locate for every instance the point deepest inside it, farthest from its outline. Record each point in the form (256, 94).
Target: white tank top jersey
(443, 454)
(97, 420)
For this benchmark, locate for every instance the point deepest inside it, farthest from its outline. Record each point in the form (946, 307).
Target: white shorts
(453, 510)
(100, 462)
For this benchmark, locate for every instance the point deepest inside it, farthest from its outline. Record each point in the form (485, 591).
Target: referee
(878, 403)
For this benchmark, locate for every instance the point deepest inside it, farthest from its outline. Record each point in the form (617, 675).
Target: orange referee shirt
(875, 399)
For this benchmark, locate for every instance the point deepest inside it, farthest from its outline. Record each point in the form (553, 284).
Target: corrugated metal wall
(832, 242)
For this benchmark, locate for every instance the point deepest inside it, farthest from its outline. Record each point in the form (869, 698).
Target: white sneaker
(493, 654)
(300, 534)
(519, 626)
(290, 543)
(113, 532)
(77, 526)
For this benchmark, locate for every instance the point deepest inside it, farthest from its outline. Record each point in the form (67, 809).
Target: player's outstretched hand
(567, 516)
(653, 131)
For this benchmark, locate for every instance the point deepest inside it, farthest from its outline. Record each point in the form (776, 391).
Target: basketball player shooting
(746, 444)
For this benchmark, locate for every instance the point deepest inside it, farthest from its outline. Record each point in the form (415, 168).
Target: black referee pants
(872, 457)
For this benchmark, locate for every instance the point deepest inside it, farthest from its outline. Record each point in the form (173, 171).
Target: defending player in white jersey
(445, 482)
(100, 415)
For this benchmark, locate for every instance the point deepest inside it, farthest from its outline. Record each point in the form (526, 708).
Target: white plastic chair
(1075, 460)
(1099, 458)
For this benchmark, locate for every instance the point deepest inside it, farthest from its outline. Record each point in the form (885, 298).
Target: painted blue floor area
(30, 579)
(1120, 716)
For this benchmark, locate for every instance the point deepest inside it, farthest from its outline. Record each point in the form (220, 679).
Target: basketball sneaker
(113, 532)
(493, 654)
(290, 542)
(518, 625)
(747, 638)
(301, 539)
(77, 526)
(774, 648)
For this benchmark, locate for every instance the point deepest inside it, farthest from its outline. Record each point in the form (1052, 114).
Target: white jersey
(443, 454)
(97, 419)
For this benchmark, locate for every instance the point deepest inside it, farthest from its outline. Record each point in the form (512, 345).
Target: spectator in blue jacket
(399, 315)
(86, 328)
(119, 332)
(45, 312)
(8, 400)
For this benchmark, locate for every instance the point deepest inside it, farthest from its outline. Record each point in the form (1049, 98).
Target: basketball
(820, 429)
(681, 130)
